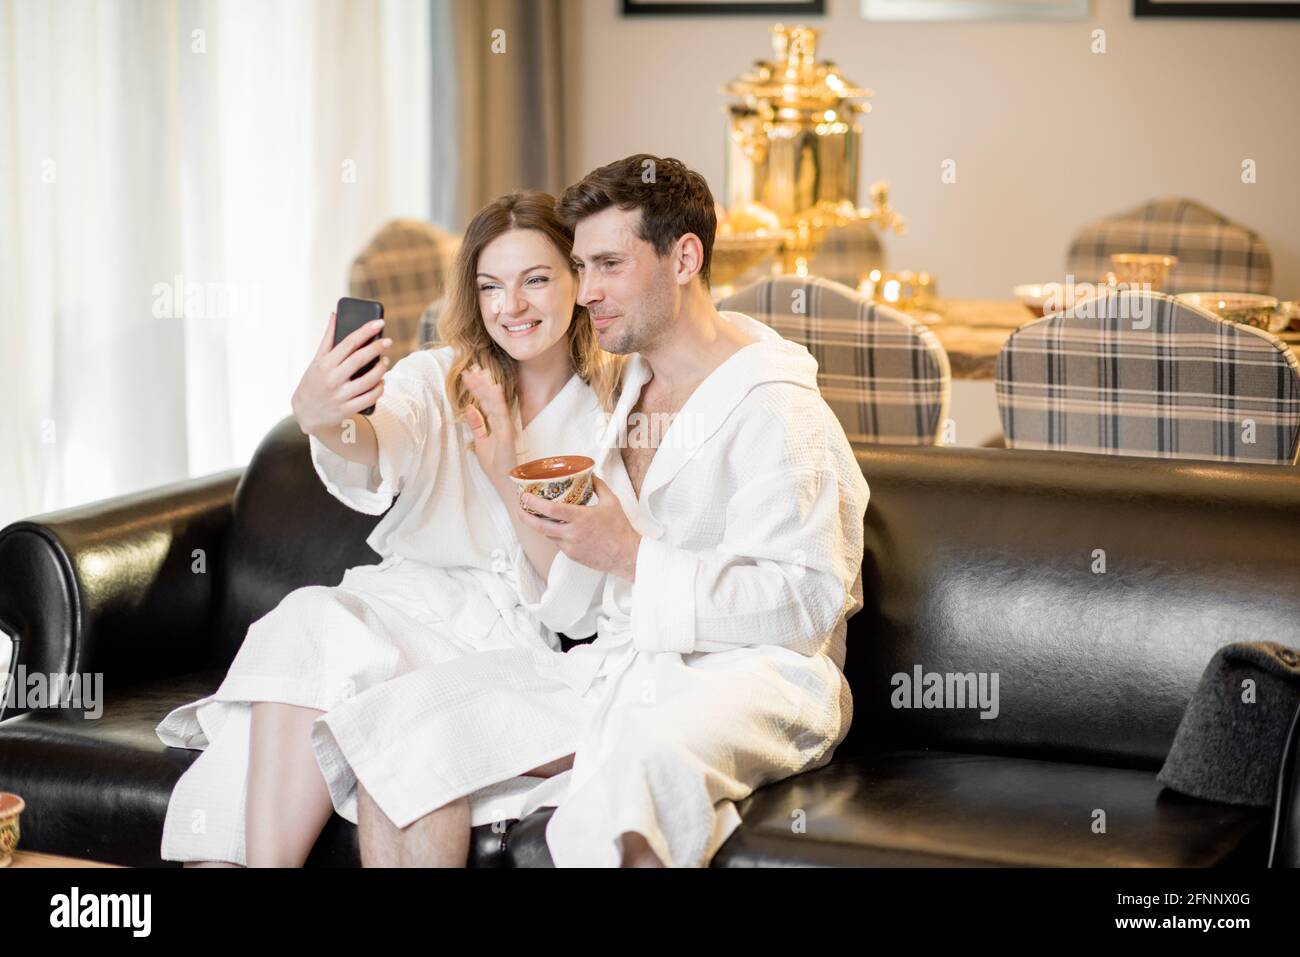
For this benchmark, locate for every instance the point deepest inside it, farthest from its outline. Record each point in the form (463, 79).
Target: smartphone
(350, 316)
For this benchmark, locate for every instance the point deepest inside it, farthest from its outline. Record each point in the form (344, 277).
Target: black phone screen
(350, 316)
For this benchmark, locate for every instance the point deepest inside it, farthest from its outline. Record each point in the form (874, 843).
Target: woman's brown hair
(461, 325)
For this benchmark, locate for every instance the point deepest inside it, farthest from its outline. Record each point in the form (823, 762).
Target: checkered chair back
(1133, 373)
(1214, 253)
(405, 266)
(847, 253)
(882, 372)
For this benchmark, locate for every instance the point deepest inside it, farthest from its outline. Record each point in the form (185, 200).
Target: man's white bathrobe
(447, 591)
(717, 671)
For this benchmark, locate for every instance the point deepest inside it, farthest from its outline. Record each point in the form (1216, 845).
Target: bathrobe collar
(770, 359)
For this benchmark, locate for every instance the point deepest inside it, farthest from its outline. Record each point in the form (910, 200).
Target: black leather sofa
(977, 560)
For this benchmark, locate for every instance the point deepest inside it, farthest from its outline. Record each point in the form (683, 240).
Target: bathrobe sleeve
(403, 419)
(568, 601)
(785, 569)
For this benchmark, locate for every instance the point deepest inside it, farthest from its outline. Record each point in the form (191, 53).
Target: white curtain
(182, 187)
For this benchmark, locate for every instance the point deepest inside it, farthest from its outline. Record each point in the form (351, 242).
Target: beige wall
(1046, 134)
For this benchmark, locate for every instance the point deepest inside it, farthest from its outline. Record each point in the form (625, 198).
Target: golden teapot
(793, 148)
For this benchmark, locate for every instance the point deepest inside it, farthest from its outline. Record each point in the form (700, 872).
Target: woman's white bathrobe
(718, 670)
(445, 593)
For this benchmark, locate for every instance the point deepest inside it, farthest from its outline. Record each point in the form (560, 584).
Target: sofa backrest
(286, 532)
(1096, 588)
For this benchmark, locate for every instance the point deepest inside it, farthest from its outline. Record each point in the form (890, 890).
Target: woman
(521, 377)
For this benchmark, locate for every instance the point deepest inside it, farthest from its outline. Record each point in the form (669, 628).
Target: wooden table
(972, 331)
(37, 859)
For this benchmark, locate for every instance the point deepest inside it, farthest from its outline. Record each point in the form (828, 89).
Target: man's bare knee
(369, 814)
(637, 852)
(558, 766)
(380, 839)
(439, 839)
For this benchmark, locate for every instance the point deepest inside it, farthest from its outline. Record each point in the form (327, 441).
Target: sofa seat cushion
(941, 808)
(98, 789)
(947, 809)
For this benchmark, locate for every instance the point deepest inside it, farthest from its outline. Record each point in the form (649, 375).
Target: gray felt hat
(1229, 745)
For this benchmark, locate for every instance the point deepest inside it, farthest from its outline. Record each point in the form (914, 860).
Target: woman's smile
(519, 328)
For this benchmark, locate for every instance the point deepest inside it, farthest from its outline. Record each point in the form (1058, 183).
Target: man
(721, 560)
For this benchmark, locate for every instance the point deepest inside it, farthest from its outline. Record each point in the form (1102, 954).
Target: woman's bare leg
(287, 803)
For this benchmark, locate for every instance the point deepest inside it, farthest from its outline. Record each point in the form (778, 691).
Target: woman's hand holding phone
(327, 393)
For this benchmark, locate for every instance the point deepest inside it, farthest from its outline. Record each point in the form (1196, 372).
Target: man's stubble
(653, 321)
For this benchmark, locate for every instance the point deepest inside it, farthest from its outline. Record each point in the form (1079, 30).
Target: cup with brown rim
(558, 478)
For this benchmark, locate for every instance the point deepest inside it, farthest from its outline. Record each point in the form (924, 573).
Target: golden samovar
(793, 149)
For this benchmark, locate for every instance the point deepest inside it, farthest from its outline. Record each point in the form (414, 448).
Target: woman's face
(525, 293)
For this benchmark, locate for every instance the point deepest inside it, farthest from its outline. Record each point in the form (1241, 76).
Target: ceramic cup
(560, 478)
(1139, 269)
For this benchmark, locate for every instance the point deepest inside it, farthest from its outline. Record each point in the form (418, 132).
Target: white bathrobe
(446, 592)
(717, 671)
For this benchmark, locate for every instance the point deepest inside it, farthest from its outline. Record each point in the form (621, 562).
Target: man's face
(631, 294)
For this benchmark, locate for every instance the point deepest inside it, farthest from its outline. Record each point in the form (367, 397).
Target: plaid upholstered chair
(882, 372)
(1214, 253)
(428, 329)
(847, 253)
(405, 266)
(1133, 373)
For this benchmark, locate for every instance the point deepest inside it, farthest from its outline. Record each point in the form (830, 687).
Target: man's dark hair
(673, 199)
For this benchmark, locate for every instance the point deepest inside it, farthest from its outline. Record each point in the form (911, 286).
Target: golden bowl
(1243, 307)
(905, 290)
(1053, 297)
(734, 254)
(11, 806)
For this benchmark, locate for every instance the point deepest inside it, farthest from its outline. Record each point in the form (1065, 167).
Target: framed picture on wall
(713, 7)
(1216, 8)
(950, 10)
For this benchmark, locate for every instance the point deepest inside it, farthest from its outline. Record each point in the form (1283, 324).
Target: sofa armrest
(123, 586)
(1284, 845)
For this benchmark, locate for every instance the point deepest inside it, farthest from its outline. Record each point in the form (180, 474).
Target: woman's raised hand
(493, 426)
(327, 394)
